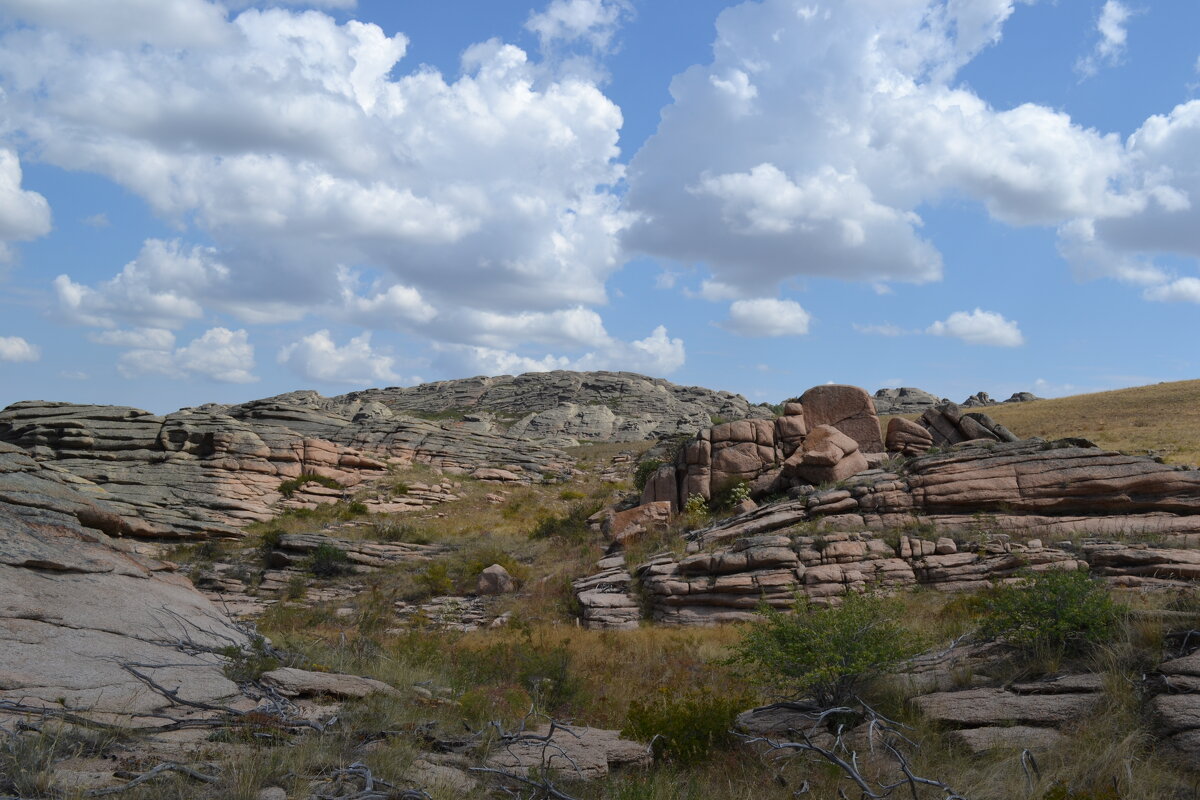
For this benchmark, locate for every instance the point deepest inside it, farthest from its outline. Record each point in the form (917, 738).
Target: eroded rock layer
(943, 521)
(211, 470)
(603, 406)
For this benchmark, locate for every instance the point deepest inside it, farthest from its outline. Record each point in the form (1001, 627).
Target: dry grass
(1163, 419)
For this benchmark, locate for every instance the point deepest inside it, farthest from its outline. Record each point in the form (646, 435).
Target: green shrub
(249, 663)
(1057, 612)
(328, 561)
(645, 469)
(730, 496)
(289, 487)
(572, 526)
(391, 530)
(825, 653)
(435, 580)
(685, 727)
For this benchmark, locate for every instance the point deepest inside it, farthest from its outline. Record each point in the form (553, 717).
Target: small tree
(328, 561)
(1057, 612)
(825, 653)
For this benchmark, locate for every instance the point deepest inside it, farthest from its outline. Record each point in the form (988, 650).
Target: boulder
(829, 455)
(847, 408)
(574, 752)
(495, 580)
(906, 437)
(629, 524)
(663, 484)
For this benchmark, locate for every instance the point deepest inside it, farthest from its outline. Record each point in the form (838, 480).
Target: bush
(826, 653)
(289, 487)
(685, 727)
(328, 561)
(572, 526)
(1057, 612)
(391, 530)
(727, 498)
(645, 469)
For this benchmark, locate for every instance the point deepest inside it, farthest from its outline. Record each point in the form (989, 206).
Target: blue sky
(207, 201)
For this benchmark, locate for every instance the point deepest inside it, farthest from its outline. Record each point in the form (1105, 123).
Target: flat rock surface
(76, 608)
(584, 753)
(987, 707)
(1014, 737)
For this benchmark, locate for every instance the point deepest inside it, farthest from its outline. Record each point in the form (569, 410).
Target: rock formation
(971, 494)
(829, 434)
(905, 400)
(596, 406)
(210, 470)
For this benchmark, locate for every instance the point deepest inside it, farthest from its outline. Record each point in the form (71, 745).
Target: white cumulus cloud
(1182, 290)
(15, 349)
(808, 144)
(24, 214)
(1111, 28)
(317, 357)
(979, 327)
(218, 354)
(593, 21)
(305, 150)
(767, 317)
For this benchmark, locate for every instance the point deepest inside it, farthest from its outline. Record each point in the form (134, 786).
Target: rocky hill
(593, 406)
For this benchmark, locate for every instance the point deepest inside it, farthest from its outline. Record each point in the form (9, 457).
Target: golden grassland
(1162, 419)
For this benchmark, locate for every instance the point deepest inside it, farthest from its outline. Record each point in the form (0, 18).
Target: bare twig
(169, 766)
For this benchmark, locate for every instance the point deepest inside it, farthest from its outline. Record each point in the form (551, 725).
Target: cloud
(164, 287)
(317, 357)
(766, 317)
(886, 329)
(166, 23)
(1130, 244)
(99, 220)
(24, 215)
(1111, 46)
(808, 144)
(979, 327)
(657, 354)
(299, 149)
(140, 338)
(219, 354)
(16, 350)
(592, 21)
(1183, 290)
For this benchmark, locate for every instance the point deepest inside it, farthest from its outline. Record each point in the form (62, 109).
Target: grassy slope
(1163, 418)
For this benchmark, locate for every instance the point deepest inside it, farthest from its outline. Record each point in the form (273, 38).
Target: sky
(220, 200)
